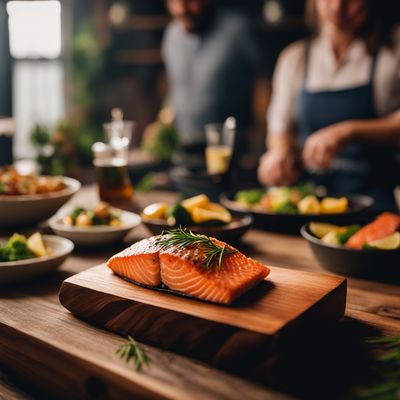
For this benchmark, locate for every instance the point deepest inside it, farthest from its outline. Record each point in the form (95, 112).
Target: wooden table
(34, 328)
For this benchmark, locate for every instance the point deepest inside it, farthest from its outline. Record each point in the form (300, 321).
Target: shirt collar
(355, 52)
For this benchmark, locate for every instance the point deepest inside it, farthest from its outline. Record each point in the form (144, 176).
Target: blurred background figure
(335, 110)
(211, 64)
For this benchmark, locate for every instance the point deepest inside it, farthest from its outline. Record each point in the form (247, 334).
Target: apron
(360, 167)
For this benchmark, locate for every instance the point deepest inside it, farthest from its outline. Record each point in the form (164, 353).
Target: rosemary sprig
(132, 349)
(180, 237)
(387, 370)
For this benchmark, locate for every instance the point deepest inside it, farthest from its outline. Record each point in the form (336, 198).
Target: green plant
(160, 140)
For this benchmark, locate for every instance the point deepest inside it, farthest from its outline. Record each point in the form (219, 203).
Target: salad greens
(286, 208)
(252, 196)
(16, 249)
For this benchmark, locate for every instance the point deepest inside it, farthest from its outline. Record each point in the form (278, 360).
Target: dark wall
(5, 64)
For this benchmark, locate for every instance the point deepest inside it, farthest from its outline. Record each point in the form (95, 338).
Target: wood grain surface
(43, 346)
(285, 297)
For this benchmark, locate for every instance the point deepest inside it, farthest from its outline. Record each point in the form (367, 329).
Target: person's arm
(279, 165)
(322, 146)
(380, 130)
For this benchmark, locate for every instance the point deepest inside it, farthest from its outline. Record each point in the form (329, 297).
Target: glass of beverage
(220, 143)
(111, 163)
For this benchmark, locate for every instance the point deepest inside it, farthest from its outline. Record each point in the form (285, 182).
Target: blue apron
(360, 167)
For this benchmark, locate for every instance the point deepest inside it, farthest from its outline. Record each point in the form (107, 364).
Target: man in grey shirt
(211, 59)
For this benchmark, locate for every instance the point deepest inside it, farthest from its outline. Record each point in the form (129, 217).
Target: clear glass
(220, 140)
(111, 163)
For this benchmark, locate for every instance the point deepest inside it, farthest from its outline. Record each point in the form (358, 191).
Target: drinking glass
(220, 140)
(111, 163)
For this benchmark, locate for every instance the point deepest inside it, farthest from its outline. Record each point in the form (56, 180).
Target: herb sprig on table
(180, 238)
(386, 382)
(132, 350)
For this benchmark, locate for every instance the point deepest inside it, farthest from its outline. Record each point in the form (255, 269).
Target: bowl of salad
(285, 209)
(100, 225)
(200, 215)
(29, 199)
(24, 257)
(367, 251)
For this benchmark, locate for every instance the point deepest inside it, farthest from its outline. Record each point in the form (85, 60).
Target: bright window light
(35, 29)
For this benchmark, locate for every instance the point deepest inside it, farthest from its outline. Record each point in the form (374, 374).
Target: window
(38, 73)
(35, 29)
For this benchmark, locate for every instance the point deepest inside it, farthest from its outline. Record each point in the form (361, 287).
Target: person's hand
(322, 146)
(279, 167)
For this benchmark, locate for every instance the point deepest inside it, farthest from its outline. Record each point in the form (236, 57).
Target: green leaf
(252, 196)
(132, 350)
(345, 236)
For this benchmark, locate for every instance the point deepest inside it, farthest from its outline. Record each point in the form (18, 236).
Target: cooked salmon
(384, 225)
(182, 269)
(139, 262)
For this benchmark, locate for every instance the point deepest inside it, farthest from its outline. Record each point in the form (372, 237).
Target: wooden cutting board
(239, 338)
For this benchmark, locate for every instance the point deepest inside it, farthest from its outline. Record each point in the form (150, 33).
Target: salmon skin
(181, 269)
(384, 225)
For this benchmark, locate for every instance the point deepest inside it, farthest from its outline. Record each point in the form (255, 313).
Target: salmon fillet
(182, 270)
(384, 225)
(139, 262)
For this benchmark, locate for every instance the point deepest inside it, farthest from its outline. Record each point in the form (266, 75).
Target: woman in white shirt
(335, 110)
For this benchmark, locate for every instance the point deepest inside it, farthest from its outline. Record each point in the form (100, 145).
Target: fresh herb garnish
(345, 236)
(132, 350)
(386, 382)
(213, 254)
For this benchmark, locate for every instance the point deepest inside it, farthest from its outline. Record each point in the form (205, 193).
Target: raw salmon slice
(139, 262)
(182, 270)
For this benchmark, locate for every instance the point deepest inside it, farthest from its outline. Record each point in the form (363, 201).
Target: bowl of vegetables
(200, 215)
(24, 257)
(99, 225)
(29, 199)
(369, 251)
(285, 209)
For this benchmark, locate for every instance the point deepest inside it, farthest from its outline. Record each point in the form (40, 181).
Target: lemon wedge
(36, 245)
(390, 242)
(331, 205)
(156, 211)
(201, 215)
(320, 229)
(330, 238)
(200, 200)
(309, 205)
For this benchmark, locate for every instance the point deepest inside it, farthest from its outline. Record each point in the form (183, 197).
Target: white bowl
(25, 210)
(17, 271)
(98, 234)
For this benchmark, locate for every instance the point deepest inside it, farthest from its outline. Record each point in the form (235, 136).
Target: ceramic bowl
(291, 223)
(370, 264)
(229, 233)
(18, 271)
(27, 210)
(95, 235)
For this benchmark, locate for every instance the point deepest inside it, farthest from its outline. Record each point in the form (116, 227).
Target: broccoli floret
(181, 215)
(253, 196)
(286, 208)
(16, 249)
